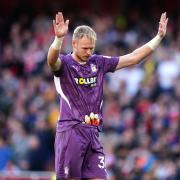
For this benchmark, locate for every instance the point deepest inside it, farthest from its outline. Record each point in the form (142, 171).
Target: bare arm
(139, 54)
(60, 30)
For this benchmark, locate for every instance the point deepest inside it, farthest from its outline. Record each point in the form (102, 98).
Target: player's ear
(74, 43)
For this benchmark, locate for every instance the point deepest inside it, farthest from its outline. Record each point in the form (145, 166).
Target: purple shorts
(79, 154)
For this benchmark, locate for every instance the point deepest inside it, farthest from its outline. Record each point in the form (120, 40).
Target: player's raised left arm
(139, 54)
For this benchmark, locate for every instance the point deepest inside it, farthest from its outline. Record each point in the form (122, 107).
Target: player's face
(83, 48)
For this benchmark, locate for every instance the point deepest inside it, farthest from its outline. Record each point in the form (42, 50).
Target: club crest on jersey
(93, 68)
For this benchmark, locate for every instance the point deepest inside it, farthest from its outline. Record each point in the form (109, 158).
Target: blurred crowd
(141, 135)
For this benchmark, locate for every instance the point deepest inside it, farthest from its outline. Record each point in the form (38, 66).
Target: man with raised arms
(78, 78)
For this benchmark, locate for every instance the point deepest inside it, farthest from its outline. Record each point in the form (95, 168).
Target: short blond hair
(84, 31)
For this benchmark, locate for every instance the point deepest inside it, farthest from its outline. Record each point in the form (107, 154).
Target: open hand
(162, 25)
(60, 27)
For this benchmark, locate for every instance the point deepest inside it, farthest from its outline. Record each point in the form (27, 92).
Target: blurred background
(141, 135)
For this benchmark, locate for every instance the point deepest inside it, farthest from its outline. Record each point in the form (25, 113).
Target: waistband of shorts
(78, 122)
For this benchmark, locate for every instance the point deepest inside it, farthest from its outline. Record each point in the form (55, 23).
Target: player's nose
(89, 51)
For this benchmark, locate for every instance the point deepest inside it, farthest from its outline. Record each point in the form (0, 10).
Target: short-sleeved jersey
(81, 86)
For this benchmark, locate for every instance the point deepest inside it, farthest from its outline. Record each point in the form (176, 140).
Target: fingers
(166, 21)
(163, 17)
(59, 17)
(67, 22)
(163, 24)
(60, 27)
(163, 20)
(54, 24)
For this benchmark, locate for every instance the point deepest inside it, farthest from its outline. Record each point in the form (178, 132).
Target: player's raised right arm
(60, 30)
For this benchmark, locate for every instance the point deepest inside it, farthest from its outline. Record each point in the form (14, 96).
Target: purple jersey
(81, 86)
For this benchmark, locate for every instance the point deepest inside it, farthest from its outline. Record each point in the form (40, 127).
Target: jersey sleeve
(60, 71)
(109, 63)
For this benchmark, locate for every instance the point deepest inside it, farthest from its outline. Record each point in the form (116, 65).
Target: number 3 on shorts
(102, 163)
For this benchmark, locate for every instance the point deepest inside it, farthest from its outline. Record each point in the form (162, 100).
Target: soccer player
(78, 78)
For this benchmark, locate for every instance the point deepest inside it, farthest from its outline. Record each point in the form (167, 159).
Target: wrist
(57, 43)
(153, 44)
